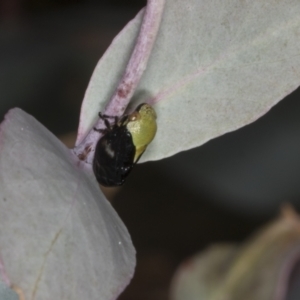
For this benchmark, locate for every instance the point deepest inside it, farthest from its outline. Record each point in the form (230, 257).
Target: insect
(122, 144)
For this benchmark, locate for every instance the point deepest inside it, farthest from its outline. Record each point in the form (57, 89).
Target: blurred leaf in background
(259, 269)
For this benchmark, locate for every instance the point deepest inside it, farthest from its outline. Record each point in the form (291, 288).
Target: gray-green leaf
(7, 293)
(216, 66)
(59, 237)
(259, 269)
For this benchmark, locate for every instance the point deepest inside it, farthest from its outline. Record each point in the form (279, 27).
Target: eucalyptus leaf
(216, 66)
(7, 293)
(59, 237)
(260, 269)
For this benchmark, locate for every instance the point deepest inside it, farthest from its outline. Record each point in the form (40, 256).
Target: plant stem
(138, 60)
(130, 80)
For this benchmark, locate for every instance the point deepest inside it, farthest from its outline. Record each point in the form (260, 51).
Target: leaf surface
(59, 237)
(216, 66)
(6, 293)
(260, 269)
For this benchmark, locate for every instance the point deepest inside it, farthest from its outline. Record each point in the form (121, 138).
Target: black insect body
(122, 144)
(114, 156)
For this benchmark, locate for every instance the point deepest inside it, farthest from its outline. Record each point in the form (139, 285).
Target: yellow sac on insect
(142, 126)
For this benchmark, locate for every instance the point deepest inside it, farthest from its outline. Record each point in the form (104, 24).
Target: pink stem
(138, 60)
(131, 78)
